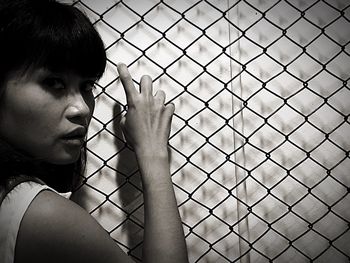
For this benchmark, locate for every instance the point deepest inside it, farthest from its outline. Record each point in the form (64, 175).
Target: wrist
(154, 169)
(152, 153)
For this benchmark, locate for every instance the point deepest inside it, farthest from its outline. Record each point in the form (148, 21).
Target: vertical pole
(239, 157)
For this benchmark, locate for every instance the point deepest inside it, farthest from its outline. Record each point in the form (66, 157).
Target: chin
(65, 159)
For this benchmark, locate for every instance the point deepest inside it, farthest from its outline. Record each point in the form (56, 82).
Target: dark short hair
(59, 37)
(48, 34)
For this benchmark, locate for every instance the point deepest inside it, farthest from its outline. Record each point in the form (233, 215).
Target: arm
(55, 229)
(147, 128)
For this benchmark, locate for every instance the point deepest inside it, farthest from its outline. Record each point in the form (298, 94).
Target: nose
(79, 109)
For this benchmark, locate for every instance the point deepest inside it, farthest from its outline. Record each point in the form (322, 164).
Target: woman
(50, 58)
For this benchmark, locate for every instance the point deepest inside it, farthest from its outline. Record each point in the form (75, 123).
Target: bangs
(60, 38)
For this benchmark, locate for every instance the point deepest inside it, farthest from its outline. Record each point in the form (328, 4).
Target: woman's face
(46, 115)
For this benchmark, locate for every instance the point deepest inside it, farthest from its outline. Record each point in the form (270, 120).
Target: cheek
(28, 111)
(29, 123)
(35, 120)
(36, 109)
(20, 109)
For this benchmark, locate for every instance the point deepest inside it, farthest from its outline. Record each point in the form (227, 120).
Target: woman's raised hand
(147, 124)
(146, 127)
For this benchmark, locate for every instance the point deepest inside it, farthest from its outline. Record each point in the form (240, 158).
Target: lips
(76, 135)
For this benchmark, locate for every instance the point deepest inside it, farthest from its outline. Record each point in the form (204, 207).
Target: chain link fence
(260, 137)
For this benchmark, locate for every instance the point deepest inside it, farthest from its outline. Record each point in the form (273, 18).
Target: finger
(160, 96)
(146, 86)
(170, 109)
(127, 81)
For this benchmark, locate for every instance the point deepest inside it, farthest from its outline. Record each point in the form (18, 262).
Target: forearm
(146, 127)
(163, 237)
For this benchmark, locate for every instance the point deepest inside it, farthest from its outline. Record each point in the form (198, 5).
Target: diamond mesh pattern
(260, 137)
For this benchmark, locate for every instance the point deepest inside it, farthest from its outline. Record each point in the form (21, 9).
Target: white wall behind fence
(260, 137)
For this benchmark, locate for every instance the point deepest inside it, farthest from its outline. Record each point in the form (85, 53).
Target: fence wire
(259, 145)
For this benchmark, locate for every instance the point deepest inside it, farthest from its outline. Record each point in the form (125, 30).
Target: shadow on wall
(129, 192)
(129, 185)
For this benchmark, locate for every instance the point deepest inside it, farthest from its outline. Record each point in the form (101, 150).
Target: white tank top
(12, 210)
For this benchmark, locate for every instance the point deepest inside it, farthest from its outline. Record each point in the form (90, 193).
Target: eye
(54, 83)
(89, 85)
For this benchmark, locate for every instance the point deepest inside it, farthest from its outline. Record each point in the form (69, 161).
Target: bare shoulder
(55, 229)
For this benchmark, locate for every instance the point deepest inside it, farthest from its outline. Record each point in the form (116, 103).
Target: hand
(147, 124)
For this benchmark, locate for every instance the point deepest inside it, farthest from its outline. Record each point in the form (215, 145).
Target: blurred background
(260, 137)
